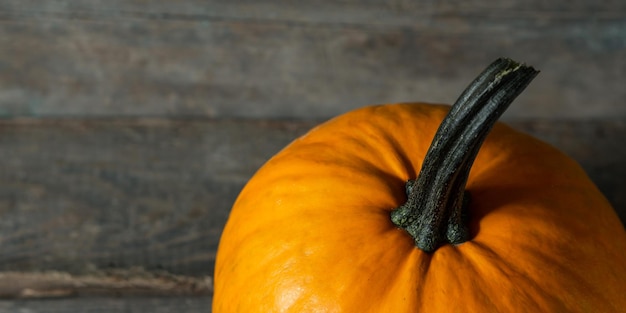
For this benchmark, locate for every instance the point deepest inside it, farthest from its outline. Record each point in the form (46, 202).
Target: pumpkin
(364, 214)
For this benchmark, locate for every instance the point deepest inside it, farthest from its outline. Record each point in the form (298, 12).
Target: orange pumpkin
(363, 215)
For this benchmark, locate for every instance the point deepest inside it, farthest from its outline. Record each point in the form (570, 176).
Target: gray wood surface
(278, 58)
(109, 305)
(83, 196)
(131, 282)
(78, 195)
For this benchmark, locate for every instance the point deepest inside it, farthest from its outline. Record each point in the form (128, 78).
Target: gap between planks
(120, 282)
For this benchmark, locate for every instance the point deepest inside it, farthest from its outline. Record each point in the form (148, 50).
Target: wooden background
(301, 59)
(129, 127)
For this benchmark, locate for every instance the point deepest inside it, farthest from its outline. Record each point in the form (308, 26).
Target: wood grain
(80, 196)
(278, 58)
(133, 282)
(109, 194)
(110, 305)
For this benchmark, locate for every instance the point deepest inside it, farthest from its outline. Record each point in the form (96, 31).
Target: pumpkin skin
(311, 232)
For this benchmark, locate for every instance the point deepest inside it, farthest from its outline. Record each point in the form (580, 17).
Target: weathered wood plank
(110, 305)
(83, 196)
(131, 282)
(323, 12)
(78, 195)
(278, 58)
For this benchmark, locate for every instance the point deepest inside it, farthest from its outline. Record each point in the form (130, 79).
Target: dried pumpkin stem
(436, 207)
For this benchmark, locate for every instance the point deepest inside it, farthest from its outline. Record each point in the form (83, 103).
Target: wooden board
(109, 305)
(84, 196)
(278, 58)
(131, 282)
(79, 195)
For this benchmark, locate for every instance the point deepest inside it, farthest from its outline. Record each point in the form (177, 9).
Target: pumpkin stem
(435, 212)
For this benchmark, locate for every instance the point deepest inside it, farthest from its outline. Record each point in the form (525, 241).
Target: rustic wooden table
(128, 127)
(109, 305)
